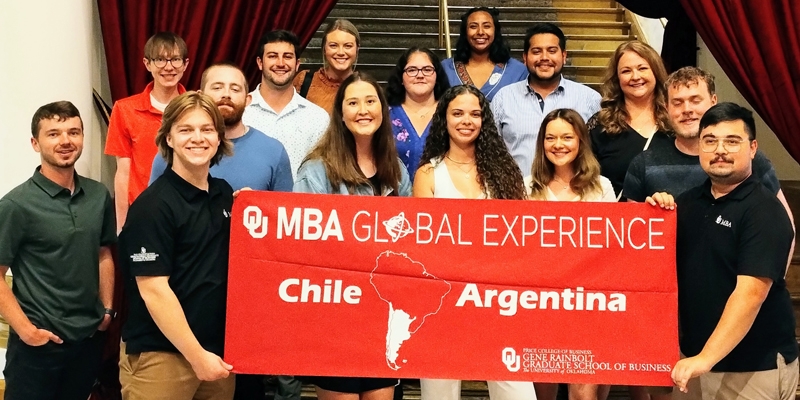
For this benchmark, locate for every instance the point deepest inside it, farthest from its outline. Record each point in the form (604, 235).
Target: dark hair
(585, 165)
(278, 36)
(180, 105)
(613, 115)
(498, 174)
(544, 27)
(396, 92)
(691, 76)
(499, 52)
(337, 147)
(63, 110)
(727, 112)
(228, 64)
(164, 41)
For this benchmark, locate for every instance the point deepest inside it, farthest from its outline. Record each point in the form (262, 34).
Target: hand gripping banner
(329, 285)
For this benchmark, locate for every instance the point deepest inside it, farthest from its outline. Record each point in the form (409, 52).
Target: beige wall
(785, 166)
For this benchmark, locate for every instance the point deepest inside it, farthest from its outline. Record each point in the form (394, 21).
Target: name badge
(495, 78)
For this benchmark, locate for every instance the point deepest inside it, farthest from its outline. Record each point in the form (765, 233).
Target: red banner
(329, 285)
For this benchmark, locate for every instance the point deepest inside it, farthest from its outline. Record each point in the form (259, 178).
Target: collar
(297, 101)
(529, 91)
(52, 188)
(738, 193)
(142, 102)
(188, 191)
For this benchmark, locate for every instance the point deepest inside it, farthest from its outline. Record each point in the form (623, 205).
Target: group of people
(482, 125)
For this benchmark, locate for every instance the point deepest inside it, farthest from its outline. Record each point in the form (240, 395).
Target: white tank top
(443, 186)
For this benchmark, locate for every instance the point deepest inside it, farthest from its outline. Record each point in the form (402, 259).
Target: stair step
(349, 10)
(431, 25)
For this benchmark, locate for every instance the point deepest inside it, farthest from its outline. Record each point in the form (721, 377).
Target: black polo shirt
(746, 232)
(51, 239)
(175, 229)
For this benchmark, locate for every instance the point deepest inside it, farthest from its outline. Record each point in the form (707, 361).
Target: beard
(233, 116)
(534, 76)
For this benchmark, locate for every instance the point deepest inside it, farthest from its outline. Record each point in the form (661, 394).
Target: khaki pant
(779, 383)
(159, 375)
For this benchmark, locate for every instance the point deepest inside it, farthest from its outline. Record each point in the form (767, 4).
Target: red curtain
(757, 43)
(213, 30)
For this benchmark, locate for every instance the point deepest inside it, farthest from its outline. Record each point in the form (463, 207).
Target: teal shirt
(51, 239)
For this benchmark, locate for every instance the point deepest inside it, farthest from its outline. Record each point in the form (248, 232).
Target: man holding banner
(733, 238)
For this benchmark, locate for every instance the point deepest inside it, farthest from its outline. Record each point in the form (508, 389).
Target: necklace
(470, 165)
(564, 185)
(422, 112)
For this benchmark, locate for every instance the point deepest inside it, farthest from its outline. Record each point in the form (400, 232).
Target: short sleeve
(282, 178)
(158, 168)
(763, 170)
(146, 243)
(11, 230)
(764, 241)
(118, 141)
(634, 186)
(109, 233)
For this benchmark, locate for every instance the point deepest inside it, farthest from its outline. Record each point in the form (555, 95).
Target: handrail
(444, 27)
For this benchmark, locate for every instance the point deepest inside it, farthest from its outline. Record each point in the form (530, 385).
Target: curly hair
(498, 174)
(396, 92)
(613, 116)
(499, 51)
(585, 165)
(337, 146)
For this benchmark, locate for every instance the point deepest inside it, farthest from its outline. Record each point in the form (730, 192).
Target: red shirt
(132, 133)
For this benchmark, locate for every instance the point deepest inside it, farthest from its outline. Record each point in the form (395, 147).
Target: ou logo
(253, 220)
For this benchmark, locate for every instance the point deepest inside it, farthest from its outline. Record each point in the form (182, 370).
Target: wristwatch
(110, 312)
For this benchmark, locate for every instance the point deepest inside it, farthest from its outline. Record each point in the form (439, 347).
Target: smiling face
(545, 58)
(362, 111)
(686, 105)
(169, 75)
(194, 140)
(278, 65)
(59, 143)
(480, 31)
(464, 120)
(341, 50)
(723, 166)
(227, 87)
(635, 75)
(561, 143)
(419, 86)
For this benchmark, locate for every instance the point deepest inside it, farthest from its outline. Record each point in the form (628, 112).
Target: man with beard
(55, 235)
(519, 108)
(675, 169)
(259, 162)
(277, 109)
(733, 236)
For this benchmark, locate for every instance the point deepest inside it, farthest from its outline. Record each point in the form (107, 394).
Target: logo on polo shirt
(723, 222)
(144, 256)
(226, 213)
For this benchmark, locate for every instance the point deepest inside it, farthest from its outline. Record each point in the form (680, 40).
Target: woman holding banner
(465, 158)
(565, 169)
(355, 156)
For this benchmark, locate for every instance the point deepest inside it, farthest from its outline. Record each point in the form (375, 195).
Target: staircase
(594, 29)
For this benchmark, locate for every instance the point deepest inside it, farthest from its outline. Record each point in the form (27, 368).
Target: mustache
(721, 159)
(226, 102)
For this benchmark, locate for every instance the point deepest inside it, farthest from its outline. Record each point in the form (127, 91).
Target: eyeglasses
(730, 144)
(414, 71)
(176, 62)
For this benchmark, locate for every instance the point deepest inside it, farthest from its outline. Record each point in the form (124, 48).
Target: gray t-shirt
(664, 168)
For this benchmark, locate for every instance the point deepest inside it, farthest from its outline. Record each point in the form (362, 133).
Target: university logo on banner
(326, 285)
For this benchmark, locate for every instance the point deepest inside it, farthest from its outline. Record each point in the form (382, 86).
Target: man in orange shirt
(135, 120)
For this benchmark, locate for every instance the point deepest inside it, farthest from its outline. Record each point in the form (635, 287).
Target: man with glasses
(519, 108)
(736, 317)
(136, 119)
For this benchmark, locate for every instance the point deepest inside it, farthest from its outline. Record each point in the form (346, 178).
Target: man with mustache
(259, 162)
(55, 235)
(277, 109)
(733, 237)
(519, 108)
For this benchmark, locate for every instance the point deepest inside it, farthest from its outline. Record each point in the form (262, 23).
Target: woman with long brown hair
(465, 158)
(355, 156)
(632, 111)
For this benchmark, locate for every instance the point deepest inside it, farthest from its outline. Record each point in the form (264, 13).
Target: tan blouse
(322, 90)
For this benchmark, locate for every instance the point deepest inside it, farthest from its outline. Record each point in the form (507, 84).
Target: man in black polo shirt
(55, 230)
(733, 239)
(174, 253)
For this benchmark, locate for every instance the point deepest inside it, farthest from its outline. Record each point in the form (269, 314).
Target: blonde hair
(176, 109)
(344, 26)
